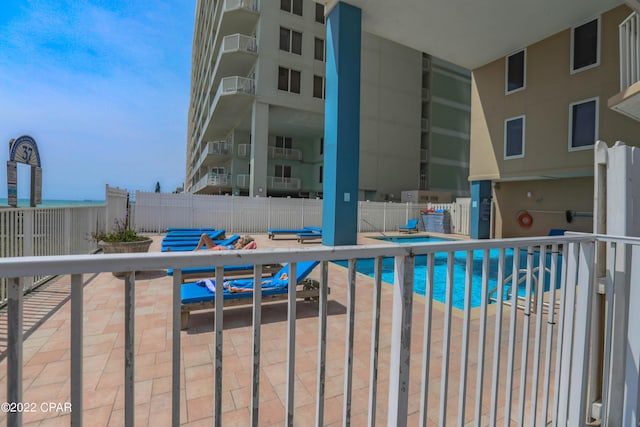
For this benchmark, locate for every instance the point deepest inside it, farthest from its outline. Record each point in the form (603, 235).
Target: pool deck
(47, 353)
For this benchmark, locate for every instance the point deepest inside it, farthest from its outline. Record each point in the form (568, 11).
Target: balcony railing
(424, 125)
(546, 345)
(285, 153)
(240, 4)
(281, 183)
(629, 51)
(233, 85)
(239, 42)
(273, 182)
(215, 148)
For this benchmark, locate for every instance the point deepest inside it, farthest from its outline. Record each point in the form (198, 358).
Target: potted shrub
(122, 239)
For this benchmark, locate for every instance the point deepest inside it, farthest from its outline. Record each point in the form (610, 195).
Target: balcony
(285, 153)
(212, 183)
(627, 101)
(273, 183)
(236, 57)
(281, 183)
(238, 16)
(233, 98)
(214, 153)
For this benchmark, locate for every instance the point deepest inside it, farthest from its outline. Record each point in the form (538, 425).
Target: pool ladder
(508, 283)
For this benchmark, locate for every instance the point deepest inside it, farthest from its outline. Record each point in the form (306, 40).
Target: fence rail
(544, 380)
(155, 212)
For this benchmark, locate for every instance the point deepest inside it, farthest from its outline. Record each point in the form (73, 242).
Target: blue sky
(103, 88)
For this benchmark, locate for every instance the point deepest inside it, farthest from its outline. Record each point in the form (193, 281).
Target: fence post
(400, 340)
(360, 216)
(27, 241)
(384, 218)
(66, 232)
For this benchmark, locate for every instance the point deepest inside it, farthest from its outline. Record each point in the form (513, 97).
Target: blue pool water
(366, 266)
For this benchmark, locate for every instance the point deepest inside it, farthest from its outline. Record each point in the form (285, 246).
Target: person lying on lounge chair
(245, 242)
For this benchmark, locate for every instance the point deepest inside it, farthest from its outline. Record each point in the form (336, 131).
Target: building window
(585, 46)
(283, 171)
(514, 138)
(318, 87)
(318, 51)
(321, 146)
(516, 72)
(583, 124)
(320, 13)
(288, 80)
(217, 171)
(284, 142)
(290, 41)
(291, 6)
(321, 173)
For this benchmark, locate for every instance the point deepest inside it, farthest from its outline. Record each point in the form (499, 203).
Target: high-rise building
(256, 115)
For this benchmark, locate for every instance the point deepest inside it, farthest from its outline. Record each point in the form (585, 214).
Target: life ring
(525, 220)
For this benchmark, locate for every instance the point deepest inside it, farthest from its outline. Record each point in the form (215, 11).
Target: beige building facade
(536, 114)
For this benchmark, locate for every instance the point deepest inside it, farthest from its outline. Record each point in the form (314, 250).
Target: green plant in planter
(121, 233)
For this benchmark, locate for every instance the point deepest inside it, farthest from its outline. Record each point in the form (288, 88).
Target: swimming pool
(366, 266)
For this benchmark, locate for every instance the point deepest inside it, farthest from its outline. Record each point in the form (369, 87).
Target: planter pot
(125, 248)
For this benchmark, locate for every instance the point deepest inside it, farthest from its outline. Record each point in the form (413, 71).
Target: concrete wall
(390, 101)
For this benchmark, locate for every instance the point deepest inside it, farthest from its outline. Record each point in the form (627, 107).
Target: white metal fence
(534, 363)
(155, 212)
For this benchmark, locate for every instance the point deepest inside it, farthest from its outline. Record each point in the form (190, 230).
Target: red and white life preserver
(525, 219)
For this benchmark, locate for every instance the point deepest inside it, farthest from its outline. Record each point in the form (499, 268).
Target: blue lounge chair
(410, 227)
(199, 295)
(189, 244)
(272, 232)
(312, 235)
(229, 270)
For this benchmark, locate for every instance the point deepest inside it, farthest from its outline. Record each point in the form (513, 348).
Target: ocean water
(24, 203)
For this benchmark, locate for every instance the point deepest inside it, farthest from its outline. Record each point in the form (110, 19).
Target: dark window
(284, 142)
(514, 137)
(318, 51)
(321, 145)
(290, 41)
(320, 13)
(584, 123)
(318, 90)
(515, 71)
(585, 45)
(285, 36)
(321, 172)
(285, 5)
(297, 7)
(296, 42)
(295, 81)
(288, 80)
(283, 171)
(283, 78)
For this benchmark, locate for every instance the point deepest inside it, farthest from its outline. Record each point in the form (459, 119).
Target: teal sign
(24, 150)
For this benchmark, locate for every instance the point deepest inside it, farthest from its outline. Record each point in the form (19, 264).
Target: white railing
(155, 212)
(629, 51)
(240, 4)
(230, 86)
(285, 153)
(117, 208)
(534, 362)
(47, 231)
(281, 183)
(239, 42)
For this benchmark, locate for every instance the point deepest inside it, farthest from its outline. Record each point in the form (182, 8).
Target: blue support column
(342, 127)
(480, 209)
